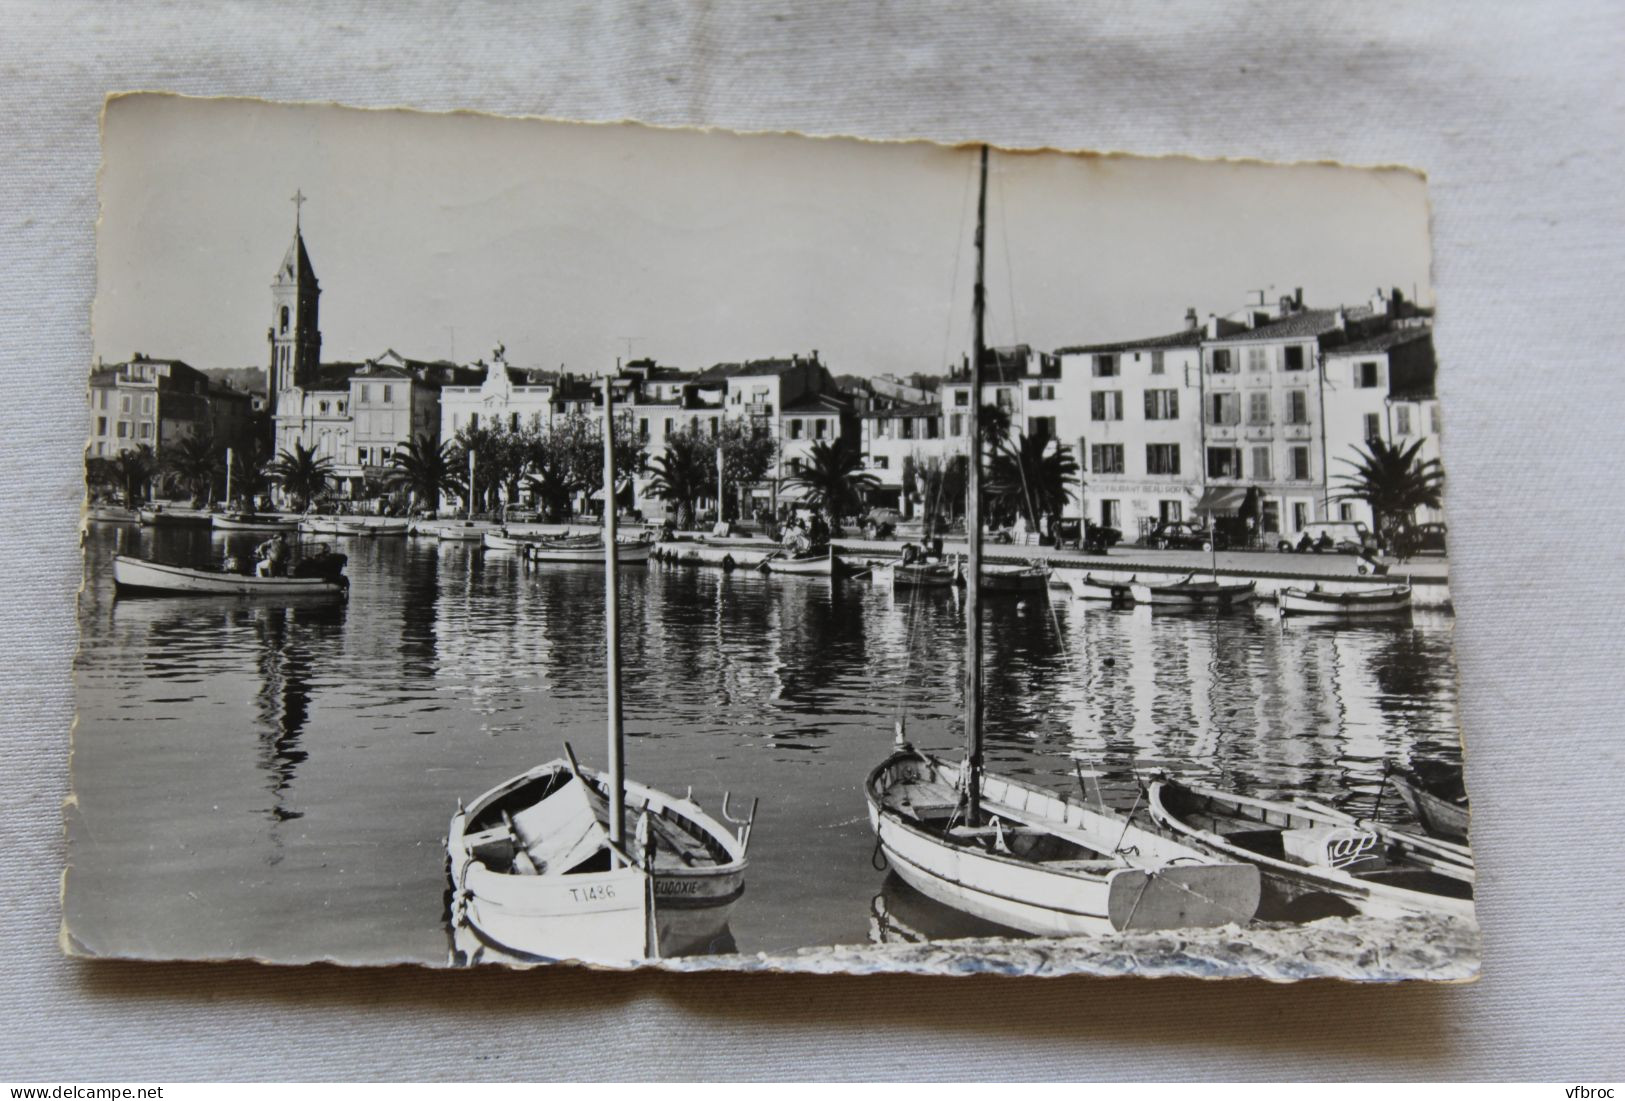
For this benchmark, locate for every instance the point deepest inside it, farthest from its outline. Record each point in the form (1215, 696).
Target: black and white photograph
(516, 542)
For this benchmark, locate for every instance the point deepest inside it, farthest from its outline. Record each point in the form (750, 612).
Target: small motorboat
(111, 514)
(1439, 803)
(253, 521)
(161, 517)
(501, 540)
(923, 575)
(1191, 593)
(1043, 863)
(817, 562)
(1090, 587)
(1009, 580)
(588, 550)
(311, 575)
(347, 526)
(463, 531)
(386, 525)
(1315, 860)
(1377, 601)
(525, 858)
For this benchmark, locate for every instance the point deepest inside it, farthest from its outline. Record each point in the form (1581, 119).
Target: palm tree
(684, 474)
(133, 470)
(191, 464)
(424, 468)
(1031, 479)
(1395, 482)
(833, 481)
(302, 474)
(995, 424)
(248, 476)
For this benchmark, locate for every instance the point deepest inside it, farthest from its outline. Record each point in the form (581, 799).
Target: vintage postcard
(515, 541)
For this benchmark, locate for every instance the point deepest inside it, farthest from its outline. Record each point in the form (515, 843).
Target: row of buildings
(1275, 396)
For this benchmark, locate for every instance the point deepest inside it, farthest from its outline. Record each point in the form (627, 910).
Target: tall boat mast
(973, 526)
(612, 642)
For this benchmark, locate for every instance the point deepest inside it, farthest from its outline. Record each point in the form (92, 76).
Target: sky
(442, 235)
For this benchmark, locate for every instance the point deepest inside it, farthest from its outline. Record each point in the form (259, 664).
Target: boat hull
(1010, 580)
(165, 519)
(1377, 602)
(1194, 594)
(1441, 817)
(822, 565)
(258, 523)
(1398, 895)
(135, 575)
(1061, 898)
(931, 575)
(1090, 587)
(626, 554)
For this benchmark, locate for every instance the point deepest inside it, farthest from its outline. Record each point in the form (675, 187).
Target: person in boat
(911, 554)
(818, 531)
(271, 557)
(796, 541)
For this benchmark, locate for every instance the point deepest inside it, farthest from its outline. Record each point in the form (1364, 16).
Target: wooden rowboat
(463, 531)
(111, 514)
(1002, 580)
(923, 575)
(524, 858)
(815, 563)
(1381, 600)
(1443, 813)
(253, 521)
(1191, 593)
(139, 575)
(1316, 860)
(1090, 587)
(1043, 863)
(502, 541)
(628, 552)
(171, 518)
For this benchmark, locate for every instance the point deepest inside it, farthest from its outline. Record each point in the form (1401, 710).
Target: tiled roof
(925, 409)
(818, 403)
(751, 367)
(1185, 338)
(1304, 324)
(1003, 366)
(1393, 338)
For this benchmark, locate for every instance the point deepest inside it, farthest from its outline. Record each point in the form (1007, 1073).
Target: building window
(1223, 362)
(1300, 516)
(1261, 464)
(1156, 363)
(933, 427)
(1162, 405)
(821, 428)
(123, 429)
(643, 429)
(124, 403)
(341, 408)
(1402, 419)
(1111, 516)
(321, 407)
(795, 428)
(1300, 464)
(1223, 408)
(1258, 407)
(386, 455)
(1170, 512)
(1292, 357)
(882, 462)
(1373, 427)
(1003, 398)
(389, 394)
(1258, 359)
(1106, 366)
(1040, 393)
(1041, 428)
(1106, 405)
(1223, 462)
(144, 430)
(1367, 375)
(147, 403)
(284, 319)
(962, 398)
(362, 455)
(366, 395)
(956, 424)
(1345, 511)
(1297, 407)
(1106, 458)
(1162, 458)
(1433, 420)
(716, 427)
(101, 426)
(473, 421)
(904, 423)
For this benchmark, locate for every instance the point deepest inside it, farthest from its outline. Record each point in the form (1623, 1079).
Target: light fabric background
(1516, 112)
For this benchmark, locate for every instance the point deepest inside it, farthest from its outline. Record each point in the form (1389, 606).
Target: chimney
(1191, 322)
(1297, 297)
(1342, 319)
(815, 355)
(1213, 326)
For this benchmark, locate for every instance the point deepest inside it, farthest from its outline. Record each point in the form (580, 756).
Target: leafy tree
(748, 453)
(1395, 481)
(834, 481)
(478, 441)
(424, 469)
(942, 491)
(685, 473)
(101, 476)
(302, 474)
(132, 473)
(191, 464)
(1031, 479)
(995, 425)
(248, 474)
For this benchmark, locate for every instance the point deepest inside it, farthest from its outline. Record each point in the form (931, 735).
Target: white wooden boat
(1377, 601)
(1090, 587)
(923, 575)
(502, 541)
(1000, 580)
(346, 526)
(253, 521)
(628, 552)
(139, 575)
(159, 516)
(518, 848)
(463, 531)
(111, 514)
(1309, 854)
(1191, 593)
(1042, 863)
(1016, 854)
(815, 563)
(1443, 813)
(386, 525)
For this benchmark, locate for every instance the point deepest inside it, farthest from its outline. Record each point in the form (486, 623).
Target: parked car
(1090, 537)
(881, 523)
(1183, 535)
(1430, 539)
(1331, 537)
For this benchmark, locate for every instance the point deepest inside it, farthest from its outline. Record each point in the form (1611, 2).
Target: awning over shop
(1222, 500)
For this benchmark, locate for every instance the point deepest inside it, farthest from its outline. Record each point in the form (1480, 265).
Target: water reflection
(328, 746)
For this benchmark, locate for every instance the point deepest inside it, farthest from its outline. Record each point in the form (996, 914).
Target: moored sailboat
(1381, 600)
(1191, 593)
(1015, 854)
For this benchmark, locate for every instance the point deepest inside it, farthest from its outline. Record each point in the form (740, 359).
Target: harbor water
(270, 781)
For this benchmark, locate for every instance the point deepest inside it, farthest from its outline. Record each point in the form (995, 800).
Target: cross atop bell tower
(295, 335)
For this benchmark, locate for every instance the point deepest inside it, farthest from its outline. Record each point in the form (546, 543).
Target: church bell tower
(295, 337)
